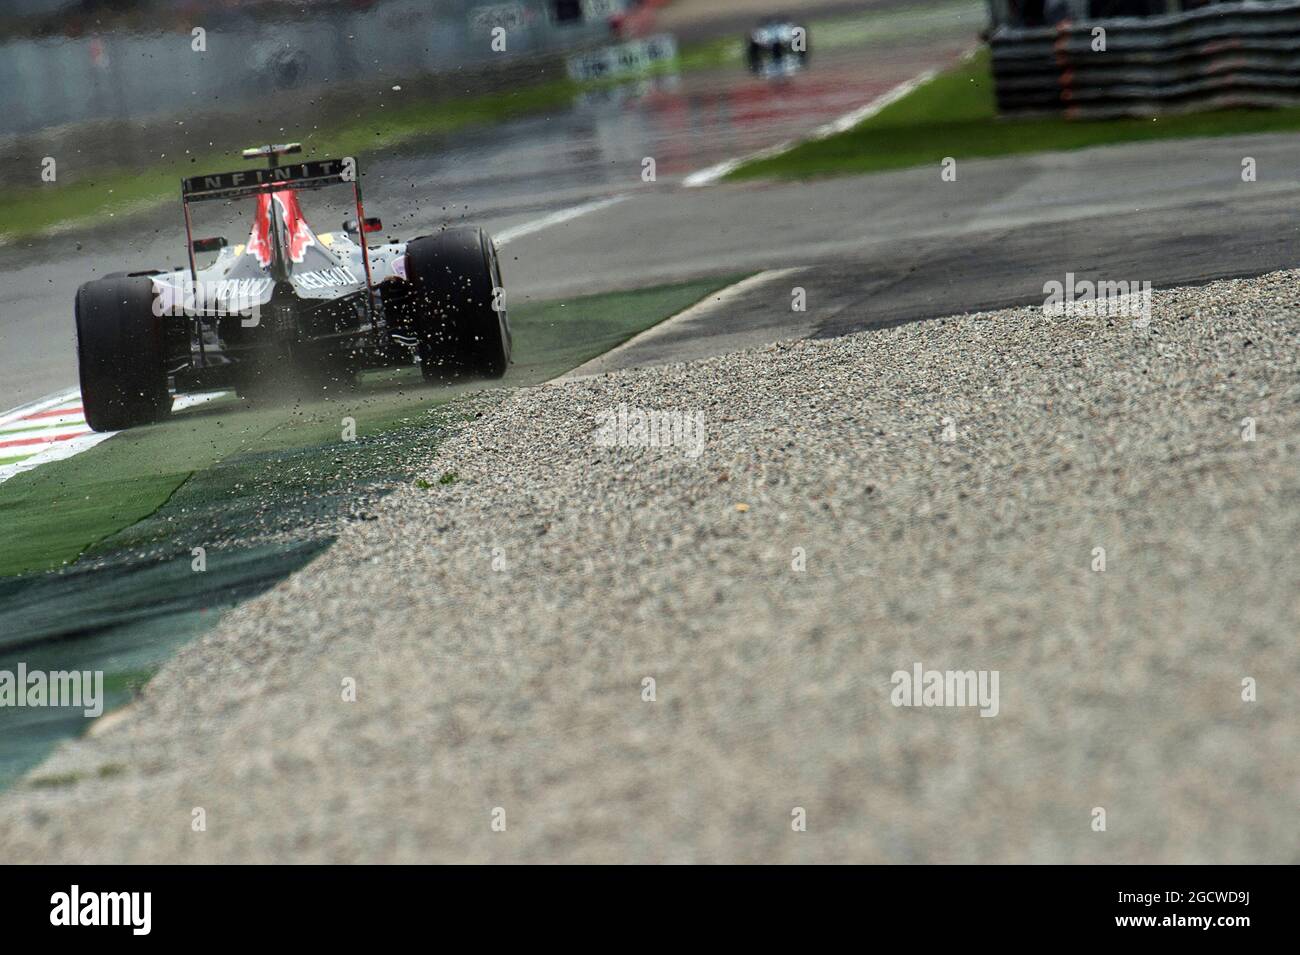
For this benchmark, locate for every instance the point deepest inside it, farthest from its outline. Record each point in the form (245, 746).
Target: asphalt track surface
(500, 630)
(869, 251)
(880, 249)
(877, 249)
(904, 246)
(509, 175)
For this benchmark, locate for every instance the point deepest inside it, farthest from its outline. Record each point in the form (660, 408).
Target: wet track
(510, 175)
(566, 190)
(965, 551)
(904, 246)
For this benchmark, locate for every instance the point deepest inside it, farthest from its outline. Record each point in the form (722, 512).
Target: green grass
(954, 115)
(54, 513)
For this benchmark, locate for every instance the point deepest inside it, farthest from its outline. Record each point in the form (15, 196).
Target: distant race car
(323, 306)
(777, 47)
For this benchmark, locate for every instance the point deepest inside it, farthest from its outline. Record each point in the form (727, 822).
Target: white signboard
(624, 59)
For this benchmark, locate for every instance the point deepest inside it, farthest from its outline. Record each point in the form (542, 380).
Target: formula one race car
(322, 305)
(777, 47)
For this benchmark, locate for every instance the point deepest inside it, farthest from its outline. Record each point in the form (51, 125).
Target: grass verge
(54, 513)
(955, 115)
(262, 491)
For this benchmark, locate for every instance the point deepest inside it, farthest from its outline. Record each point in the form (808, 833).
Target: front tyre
(120, 354)
(458, 306)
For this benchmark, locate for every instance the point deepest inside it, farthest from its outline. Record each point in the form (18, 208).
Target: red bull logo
(298, 235)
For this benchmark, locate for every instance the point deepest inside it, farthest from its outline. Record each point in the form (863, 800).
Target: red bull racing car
(319, 306)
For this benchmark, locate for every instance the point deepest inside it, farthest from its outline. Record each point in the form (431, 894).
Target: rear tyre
(120, 354)
(456, 288)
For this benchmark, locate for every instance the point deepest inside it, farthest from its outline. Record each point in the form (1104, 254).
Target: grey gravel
(521, 688)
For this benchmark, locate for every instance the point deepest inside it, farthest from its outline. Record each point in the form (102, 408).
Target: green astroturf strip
(954, 115)
(122, 620)
(259, 489)
(558, 336)
(53, 513)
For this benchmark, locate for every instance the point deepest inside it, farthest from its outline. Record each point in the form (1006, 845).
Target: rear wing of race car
(314, 174)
